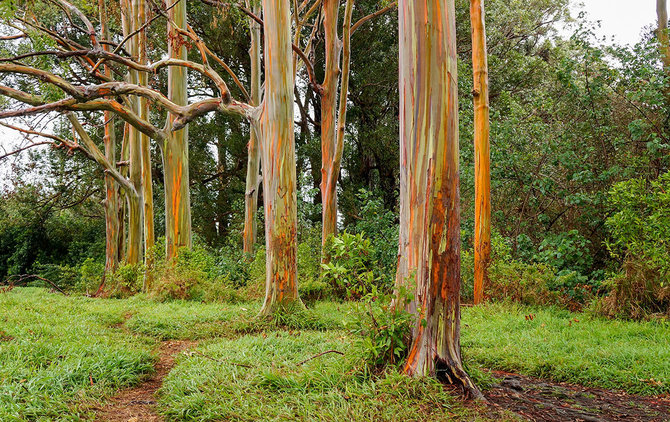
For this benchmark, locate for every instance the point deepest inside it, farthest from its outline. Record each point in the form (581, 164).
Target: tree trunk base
(453, 374)
(286, 306)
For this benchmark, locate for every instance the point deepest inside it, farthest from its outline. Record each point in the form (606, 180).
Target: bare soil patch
(138, 404)
(541, 400)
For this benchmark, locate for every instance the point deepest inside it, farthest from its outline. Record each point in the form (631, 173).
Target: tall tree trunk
(662, 13)
(333, 120)
(135, 213)
(482, 150)
(328, 122)
(429, 246)
(279, 165)
(175, 148)
(254, 158)
(112, 225)
(140, 17)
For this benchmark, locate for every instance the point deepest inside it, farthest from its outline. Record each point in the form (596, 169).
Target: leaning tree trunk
(112, 226)
(430, 218)
(175, 148)
(279, 165)
(482, 150)
(254, 158)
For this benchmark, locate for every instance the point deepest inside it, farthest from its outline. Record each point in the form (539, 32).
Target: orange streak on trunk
(482, 236)
(278, 159)
(175, 148)
(429, 247)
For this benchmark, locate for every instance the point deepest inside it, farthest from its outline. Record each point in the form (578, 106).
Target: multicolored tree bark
(333, 120)
(275, 127)
(112, 225)
(254, 157)
(134, 240)
(140, 55)
(175, 148)
(429, 249)
(482, 244)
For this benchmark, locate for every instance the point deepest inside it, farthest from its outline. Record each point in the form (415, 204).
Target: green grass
(262, 378)
(59, 355)
(569, 347)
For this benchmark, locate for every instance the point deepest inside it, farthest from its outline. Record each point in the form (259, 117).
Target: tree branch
(379, 12)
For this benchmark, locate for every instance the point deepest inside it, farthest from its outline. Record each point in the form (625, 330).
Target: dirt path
(541, 400)
(138, 404)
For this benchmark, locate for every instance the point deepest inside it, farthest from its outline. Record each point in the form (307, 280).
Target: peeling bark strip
(429, 249)
(482, 150)
(254, 157)
(278, 155)
(175, 148)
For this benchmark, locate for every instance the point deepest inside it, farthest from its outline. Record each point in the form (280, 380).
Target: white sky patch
(623, 20)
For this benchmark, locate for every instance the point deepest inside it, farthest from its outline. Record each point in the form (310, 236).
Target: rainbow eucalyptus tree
(482, 236)
(175, 147)
(272, 120)
(275, 129)
(139, 9)
(429, 245)
(112, 220)
(253, 161)
(333, 116)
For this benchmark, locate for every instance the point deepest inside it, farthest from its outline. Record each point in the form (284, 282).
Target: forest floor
(76, 358)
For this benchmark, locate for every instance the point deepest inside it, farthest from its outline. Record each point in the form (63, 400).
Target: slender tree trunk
(139, 15)
(279, 165)
(175, 149)
(333, 119)
(254, 158)
(110, 169)
(135, 211)
(328, 122)
(429, 247)
(482, 151)
(112, 225)
(662, 13)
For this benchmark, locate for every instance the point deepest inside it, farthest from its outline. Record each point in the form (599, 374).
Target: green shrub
(380, 225)
(639, 231)
(565, 251)
(528, 283)
(192, 275)
(383, 328)
(91, 273)
(64, 276)
(126, 281)
(349, 272)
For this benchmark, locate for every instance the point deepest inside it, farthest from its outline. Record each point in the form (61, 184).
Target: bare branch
(379, 12)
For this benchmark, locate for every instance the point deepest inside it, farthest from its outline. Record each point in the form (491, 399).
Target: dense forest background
(579, 160)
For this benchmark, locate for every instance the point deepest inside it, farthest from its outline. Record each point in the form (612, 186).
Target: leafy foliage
(383, 328)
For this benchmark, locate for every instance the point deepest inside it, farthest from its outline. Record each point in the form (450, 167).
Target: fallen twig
(12, 280)
(320, 354)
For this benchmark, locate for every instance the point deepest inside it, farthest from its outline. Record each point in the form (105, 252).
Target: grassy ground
(563, 346)
(59, 354)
